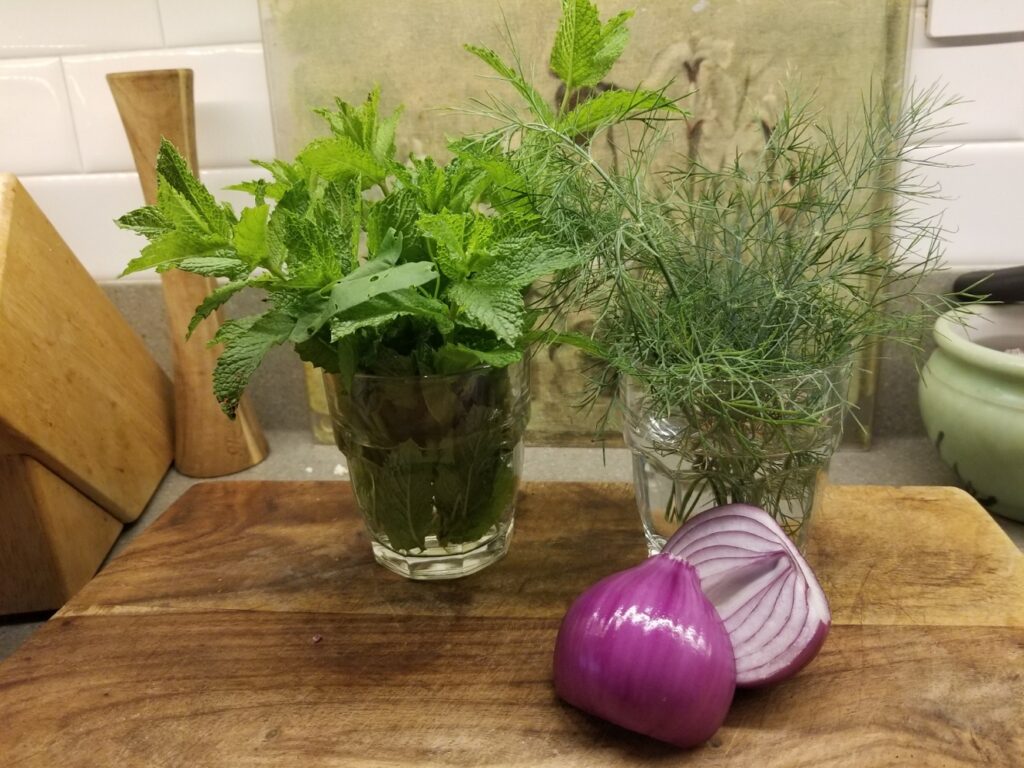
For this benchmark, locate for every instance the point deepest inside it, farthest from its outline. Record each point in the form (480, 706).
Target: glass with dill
(766, 443)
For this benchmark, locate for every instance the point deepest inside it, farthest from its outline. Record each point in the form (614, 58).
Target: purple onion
(772, 606)
(646, 650)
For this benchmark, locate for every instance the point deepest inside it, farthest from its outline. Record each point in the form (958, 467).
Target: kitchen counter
(892, 461)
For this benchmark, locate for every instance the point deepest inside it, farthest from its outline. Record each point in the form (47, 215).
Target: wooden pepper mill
(153, 105)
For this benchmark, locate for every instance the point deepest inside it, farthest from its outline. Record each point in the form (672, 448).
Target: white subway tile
(83, 207)
(993, 100)
(210, 22)
(58, 27)
(960, 18)
(36, 132)
(232, 104)
(984, 201)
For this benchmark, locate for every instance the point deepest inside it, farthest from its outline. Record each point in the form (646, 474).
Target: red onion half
(644, 649)
(773, 608)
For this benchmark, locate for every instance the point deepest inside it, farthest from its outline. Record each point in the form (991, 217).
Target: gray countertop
(891, 461)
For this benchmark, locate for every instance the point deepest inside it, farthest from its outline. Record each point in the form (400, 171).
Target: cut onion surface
(772, 606)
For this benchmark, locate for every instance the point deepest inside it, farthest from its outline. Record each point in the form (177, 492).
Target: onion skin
(644, 649)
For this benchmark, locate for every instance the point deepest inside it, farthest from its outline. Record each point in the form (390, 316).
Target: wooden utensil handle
(158, 104)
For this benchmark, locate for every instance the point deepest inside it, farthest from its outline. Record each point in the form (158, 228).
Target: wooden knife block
(86, 414)
(52, 538)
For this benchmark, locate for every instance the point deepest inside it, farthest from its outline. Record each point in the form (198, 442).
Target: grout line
(71, 115)
(160, 22)
(174, 49)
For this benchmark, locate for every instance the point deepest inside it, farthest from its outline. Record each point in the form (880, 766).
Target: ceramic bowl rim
(952, 335)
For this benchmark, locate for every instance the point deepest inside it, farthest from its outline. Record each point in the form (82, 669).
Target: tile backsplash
(103, 247)
(37, 134)
(981, 180)
(987, 76)
(30, 28)
(209, 22)
(231, 103)
(59, 130)
(956, 18)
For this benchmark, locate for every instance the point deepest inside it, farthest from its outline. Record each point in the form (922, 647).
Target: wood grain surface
(249, 627)
(52, 537)
(156, 104)
(79, 391)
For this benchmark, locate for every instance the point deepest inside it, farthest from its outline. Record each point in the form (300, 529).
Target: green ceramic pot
(972, 402)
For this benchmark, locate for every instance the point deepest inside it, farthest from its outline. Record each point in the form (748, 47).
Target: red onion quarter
(645, 649)
(772, 606)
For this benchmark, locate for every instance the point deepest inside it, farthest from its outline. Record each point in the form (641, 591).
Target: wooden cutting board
(249, 627)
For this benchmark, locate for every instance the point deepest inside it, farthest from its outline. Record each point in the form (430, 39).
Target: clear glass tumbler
(701, 456)
(435, 463)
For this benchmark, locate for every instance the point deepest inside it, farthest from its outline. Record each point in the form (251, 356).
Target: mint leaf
(428, 181)
(213, 302)
(535, 101)
(187, 223)
(454, 187)
(187, 218)
(370, 314)
(355, 289)
(386, 254)
(382, 141)
(173, 174)
(320, 354)
(317, 246)
(382, 309)
(259, 189)
(147, 221)
(277, 251)
(246, 342)
(455, 358)
(464, 184)
(169, 250)
(215, 266)
(585, 50)
(519, 261)
(478, 247)
(473, 484)
(286, 176)
(448, 231)
(364, 127)
(397, 493)
(362, 145)
(480, 463)
(341, 159)
(350, 223)
(614, 107)
(251, 235)
(506, 187)
(498, 308)
(399, 212)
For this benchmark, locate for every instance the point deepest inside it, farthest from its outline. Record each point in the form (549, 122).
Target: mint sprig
(434, 284)
(585, 49)
(371, 264)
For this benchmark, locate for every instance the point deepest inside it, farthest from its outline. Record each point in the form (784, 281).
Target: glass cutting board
(734, 55)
